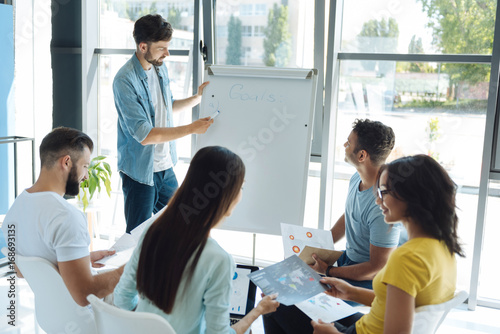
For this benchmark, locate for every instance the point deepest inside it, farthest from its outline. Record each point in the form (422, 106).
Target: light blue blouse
(203, 307)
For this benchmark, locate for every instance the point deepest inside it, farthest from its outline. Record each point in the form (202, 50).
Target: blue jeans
(142, 200)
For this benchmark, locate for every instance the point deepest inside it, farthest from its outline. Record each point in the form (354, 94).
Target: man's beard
(72, 184)
(155, 62)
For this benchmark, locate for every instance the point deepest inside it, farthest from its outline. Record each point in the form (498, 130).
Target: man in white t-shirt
(46, 226)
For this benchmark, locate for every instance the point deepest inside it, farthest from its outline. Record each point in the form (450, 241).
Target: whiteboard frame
(273, 73)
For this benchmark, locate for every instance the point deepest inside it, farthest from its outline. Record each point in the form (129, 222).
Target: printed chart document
(326, 308)
(292, 279)
(296, 238)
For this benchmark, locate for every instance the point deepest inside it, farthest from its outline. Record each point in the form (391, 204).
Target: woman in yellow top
(418, 192)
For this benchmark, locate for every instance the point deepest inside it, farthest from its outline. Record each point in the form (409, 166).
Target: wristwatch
(327, 273)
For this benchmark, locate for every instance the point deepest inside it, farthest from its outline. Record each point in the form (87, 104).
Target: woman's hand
(339, 288)
(321, 327)
(268, 304)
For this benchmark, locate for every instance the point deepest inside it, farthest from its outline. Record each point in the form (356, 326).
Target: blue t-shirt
(364, 223)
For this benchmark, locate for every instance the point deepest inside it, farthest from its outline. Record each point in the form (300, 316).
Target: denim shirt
(136, 118)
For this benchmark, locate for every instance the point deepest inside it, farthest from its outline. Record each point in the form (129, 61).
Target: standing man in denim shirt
(146, 133)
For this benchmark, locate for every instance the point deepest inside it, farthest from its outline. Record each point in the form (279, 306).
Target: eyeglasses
(381, 193)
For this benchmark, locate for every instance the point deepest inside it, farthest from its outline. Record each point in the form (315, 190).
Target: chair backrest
(111, 320)
(56, 311)
(428, 318)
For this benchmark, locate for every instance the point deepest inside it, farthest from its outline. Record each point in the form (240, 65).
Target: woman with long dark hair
(177, 270)
(417, 191)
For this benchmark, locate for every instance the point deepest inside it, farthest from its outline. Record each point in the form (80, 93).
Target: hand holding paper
(325, 307)
(338, 288)
(326, 255)
(291, 278)
(124, 248)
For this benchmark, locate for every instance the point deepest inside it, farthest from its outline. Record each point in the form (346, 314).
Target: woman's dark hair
(429, 194)
(178, 236)
(375, 138)
(152, 28)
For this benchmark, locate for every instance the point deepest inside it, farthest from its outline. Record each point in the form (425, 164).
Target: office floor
(459, 321)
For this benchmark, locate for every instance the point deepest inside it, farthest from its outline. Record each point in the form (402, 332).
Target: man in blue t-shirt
(369, 240)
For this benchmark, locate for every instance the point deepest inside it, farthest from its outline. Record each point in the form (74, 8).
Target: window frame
(323, 146)
(334, 56)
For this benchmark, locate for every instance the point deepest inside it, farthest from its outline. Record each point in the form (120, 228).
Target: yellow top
(423, 268)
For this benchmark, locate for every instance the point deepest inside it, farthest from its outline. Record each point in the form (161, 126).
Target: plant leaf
(97, 172)
(99, 158)
(100, 169)
(108, 168)
(107, 183)
(85, 200)
(92, 186)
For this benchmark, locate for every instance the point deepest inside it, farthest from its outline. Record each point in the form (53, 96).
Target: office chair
(56, 311)
(428, 318)
(111, 320)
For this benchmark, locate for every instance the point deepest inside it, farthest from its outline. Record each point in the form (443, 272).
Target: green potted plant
(99, 170)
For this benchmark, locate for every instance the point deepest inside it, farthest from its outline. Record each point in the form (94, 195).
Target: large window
(116, 26)
(425, 121)
(279, 33)
(422, 67)
(255, 38)
(418, 26)
(436, 107)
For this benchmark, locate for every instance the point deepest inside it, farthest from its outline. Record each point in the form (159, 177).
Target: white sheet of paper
(137, 232)
(118, 259)
(126, 241)
(326, 308)
(295, 238)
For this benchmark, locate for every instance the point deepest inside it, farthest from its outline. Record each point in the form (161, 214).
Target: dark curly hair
(429, 194)
(375, 138)
(152, 28)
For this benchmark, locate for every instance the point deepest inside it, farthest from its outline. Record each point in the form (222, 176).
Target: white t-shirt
(47, 226)
(162, 159)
